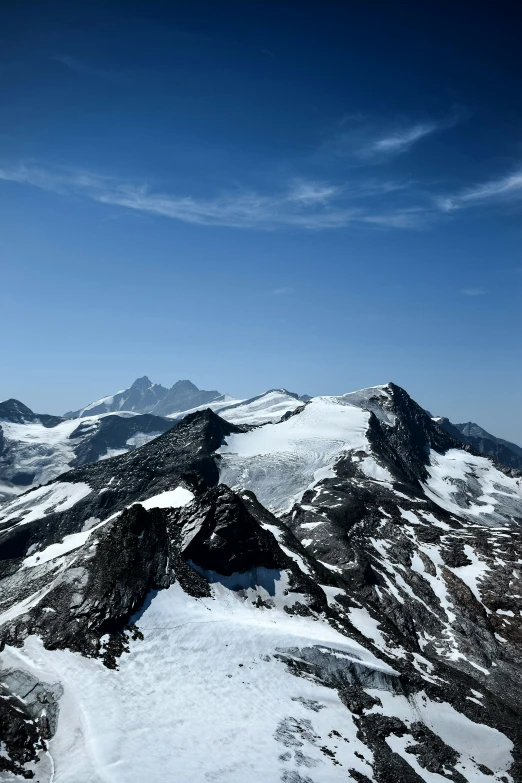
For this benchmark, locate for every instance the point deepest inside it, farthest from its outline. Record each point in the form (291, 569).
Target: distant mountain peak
(15, 411)
(184, 385)
(142, 383)
(505, 452)
(144, 396)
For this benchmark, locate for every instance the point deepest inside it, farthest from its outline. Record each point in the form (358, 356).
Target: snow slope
(473, 487)
(105, 403)
(279, 462)
(265, 408)
(35, 504)
(201, 698)
(205, 696)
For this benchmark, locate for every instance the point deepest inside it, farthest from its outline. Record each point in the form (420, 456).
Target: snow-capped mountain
(265, 408)
(332, 595)
(484, 442)
(35, 448)
(147, 397)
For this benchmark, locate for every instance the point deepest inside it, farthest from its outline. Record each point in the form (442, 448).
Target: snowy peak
(141, 384)
(377, 399)
(183, 396)
(143, 396)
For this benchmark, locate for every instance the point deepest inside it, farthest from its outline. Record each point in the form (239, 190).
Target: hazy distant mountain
(484, 442)
(147, 397)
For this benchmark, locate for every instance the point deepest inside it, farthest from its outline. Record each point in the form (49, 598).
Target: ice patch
(172, 498)
(69, 543)
(35, 504)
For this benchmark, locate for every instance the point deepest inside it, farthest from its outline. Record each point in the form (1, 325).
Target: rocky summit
(294, 589)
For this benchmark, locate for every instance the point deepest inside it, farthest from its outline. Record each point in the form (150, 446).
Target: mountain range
(35, 448)
(279, 589)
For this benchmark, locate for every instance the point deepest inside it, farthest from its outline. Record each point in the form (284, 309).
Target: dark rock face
(404, 447)
(19, 735)
(29, 712)
(219, 534)
(225, 534)
(98, 594)
(184, 454)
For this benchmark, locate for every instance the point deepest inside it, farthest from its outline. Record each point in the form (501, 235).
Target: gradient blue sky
(316, 195)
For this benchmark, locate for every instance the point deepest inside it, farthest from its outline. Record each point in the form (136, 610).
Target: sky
(320, 196)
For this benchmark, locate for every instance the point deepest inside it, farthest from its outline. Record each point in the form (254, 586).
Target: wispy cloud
(506, 188)
(312, 192)
(473, 291)
(280, 291)
(402, 140)
(301, 204)
(368, 141)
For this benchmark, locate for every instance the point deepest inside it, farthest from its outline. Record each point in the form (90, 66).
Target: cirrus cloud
(306, 204)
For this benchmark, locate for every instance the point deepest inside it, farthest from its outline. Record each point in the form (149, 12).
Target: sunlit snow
(279, 462)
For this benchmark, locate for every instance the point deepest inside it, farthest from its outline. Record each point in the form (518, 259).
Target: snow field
(279, 462)
(201, 689)
(267, 408)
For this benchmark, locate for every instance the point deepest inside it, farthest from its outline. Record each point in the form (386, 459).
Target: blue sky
(321, 196)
